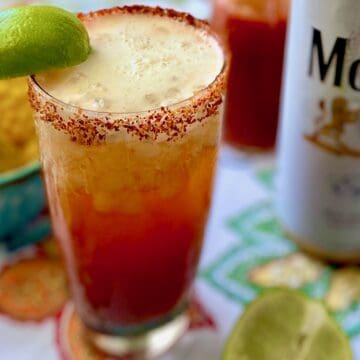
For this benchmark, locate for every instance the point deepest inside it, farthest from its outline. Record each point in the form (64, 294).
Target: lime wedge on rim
(39, 38)
(286, 325)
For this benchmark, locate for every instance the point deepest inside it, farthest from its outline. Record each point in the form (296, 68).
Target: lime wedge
(40, 38)
(286, 325)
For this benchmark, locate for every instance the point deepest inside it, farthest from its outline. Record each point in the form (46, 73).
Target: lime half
(40, 38)
(286, 325)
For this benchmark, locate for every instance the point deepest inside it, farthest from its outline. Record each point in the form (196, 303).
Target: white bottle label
(319, 147)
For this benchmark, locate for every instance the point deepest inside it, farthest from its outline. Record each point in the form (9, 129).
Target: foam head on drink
(138, 64)
(130, 193)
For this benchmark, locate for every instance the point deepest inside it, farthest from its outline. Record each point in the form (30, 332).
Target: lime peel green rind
(284, 324)
(40, 38)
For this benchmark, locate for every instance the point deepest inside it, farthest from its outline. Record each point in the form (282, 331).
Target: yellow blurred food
(18, 144)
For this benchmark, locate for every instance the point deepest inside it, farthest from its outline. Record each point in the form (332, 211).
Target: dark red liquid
(257, 48)
(135, 269)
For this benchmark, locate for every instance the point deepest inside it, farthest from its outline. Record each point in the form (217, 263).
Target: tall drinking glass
(129, 192)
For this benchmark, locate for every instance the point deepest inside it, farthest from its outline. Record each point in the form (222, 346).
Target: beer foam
(125, 114)
(138, 62)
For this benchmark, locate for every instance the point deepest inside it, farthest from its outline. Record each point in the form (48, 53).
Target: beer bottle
(319, 142)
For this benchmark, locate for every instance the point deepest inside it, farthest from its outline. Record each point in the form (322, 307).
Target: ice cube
(98, 104)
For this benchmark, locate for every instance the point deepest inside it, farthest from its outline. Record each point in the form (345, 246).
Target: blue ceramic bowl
(22, 204)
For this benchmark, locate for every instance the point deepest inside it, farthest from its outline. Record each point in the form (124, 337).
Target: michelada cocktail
(129, 143)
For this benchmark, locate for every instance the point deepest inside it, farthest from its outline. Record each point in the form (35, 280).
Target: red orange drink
(255, 33)
(129, 143)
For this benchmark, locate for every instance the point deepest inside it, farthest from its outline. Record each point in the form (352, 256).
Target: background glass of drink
(129, 195)
(255, 33)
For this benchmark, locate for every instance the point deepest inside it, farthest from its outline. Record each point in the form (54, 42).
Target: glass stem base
(145, 346)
